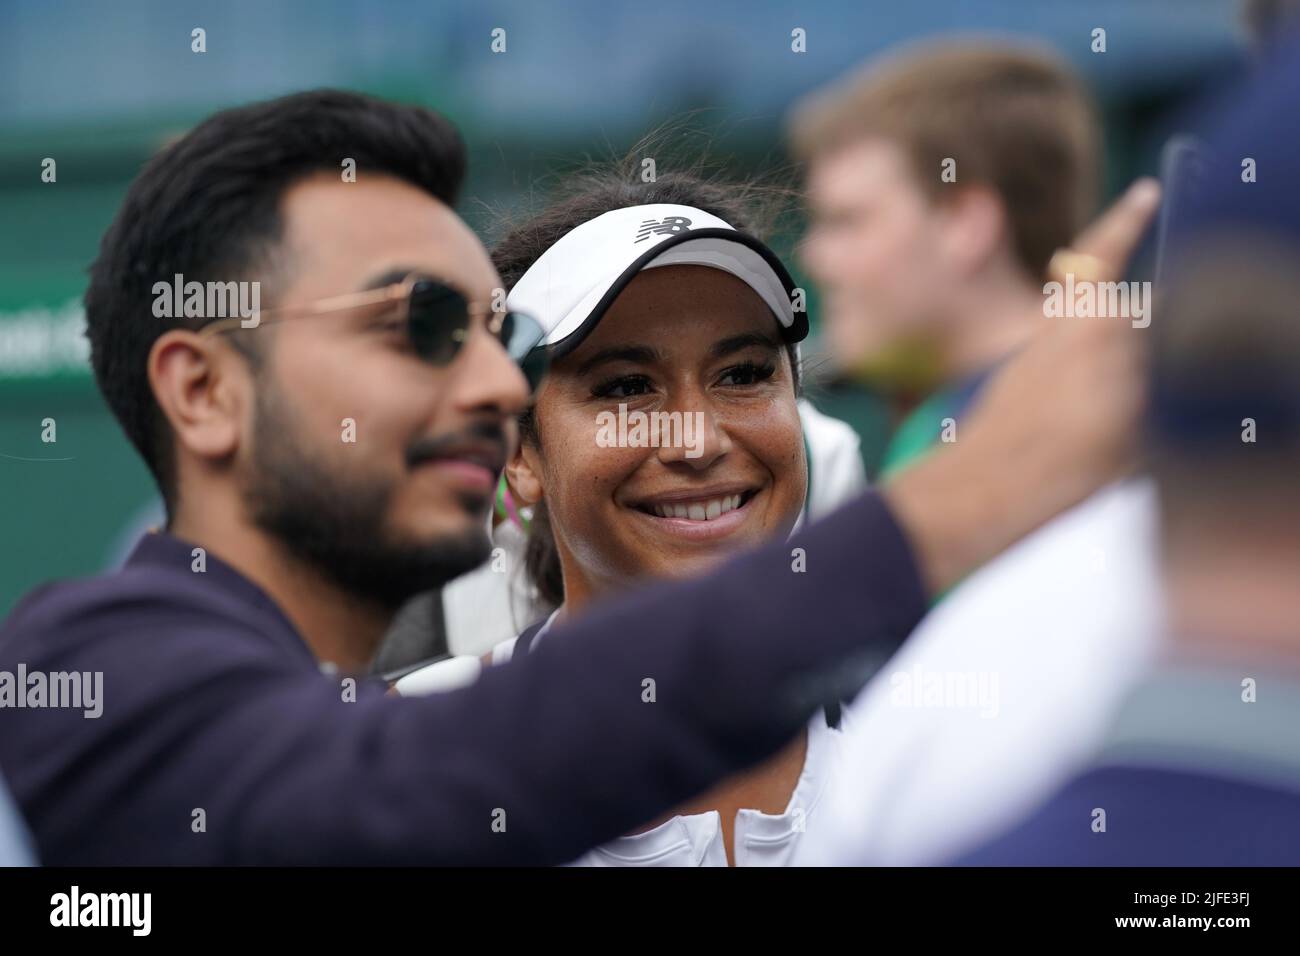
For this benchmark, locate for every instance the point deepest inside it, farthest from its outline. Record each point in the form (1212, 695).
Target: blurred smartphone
(1182, 176)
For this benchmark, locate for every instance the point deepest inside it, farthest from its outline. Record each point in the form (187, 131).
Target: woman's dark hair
(750, 206)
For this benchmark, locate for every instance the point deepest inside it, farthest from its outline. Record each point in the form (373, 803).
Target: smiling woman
(667, 437)
(685, 340)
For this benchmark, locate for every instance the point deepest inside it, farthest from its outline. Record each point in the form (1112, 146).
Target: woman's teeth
(705, 510)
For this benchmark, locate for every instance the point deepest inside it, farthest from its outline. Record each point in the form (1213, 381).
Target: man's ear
(978, 228)
(523, 475)
(195, 381)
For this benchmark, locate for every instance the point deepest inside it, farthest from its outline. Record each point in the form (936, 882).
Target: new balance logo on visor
(572, 283)
(662, 227)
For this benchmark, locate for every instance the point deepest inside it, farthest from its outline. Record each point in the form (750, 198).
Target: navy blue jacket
(1155, 817)
(1191, 774)
(221, 742)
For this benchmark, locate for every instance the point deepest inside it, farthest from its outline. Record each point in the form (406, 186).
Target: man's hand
(1054, 425)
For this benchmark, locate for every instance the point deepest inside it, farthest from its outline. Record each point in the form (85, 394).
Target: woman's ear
(523, 475)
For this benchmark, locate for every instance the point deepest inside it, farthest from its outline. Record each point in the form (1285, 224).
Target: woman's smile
(698, 515)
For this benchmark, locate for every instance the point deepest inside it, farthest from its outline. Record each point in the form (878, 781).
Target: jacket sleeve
(608, 723)
(638, 704)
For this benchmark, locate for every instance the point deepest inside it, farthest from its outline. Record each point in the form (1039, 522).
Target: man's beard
(336, 523)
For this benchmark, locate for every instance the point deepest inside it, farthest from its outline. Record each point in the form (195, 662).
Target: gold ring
(1082, 265)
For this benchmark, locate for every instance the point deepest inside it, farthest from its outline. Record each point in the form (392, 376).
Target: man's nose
(809, 253)
(487, 378)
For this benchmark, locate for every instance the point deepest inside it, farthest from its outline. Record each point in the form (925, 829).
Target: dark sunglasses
(438, 321)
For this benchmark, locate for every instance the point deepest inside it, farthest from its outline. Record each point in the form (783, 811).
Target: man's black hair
(207, 207)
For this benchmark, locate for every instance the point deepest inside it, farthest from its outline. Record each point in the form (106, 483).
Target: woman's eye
(747, 374)
(625, 386)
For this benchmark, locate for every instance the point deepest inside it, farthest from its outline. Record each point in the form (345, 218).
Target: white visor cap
(572, 284)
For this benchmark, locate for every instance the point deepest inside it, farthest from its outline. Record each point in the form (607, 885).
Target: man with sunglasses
(326, 462)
